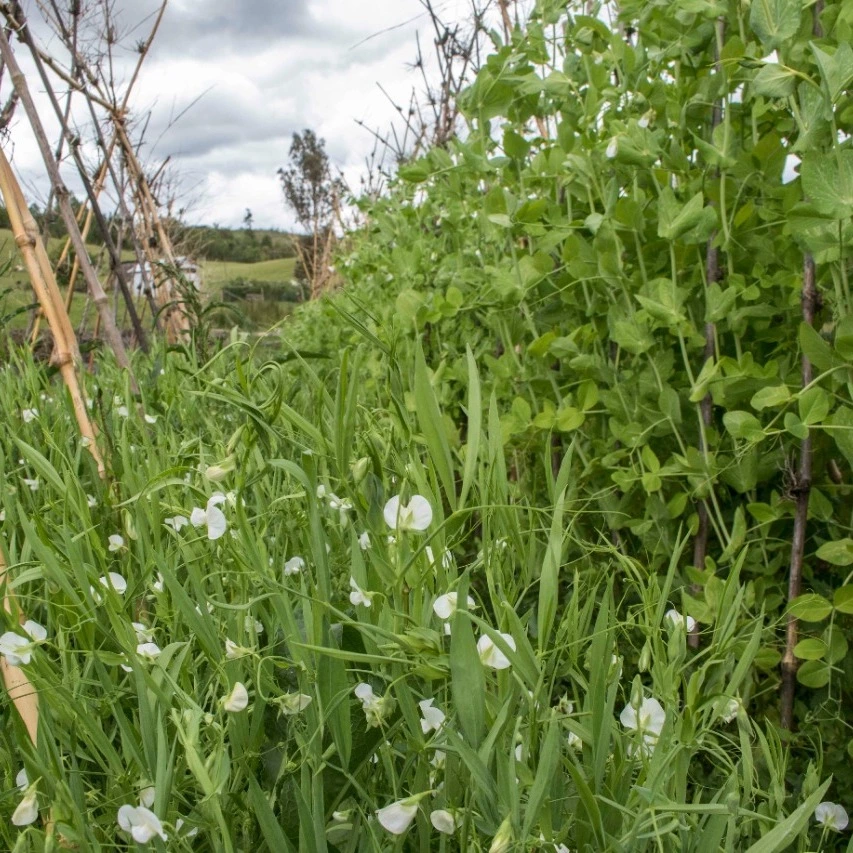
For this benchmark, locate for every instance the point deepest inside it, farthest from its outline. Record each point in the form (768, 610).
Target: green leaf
(828, 182)
(549, 577)
(417, 172)
(842, 423)
(813, 405)
(475, 423)
(676, 221)
(774, 81)
(810, 649)
(775, 21)
(468, 679)
(775, 395)
(836, 69)
(842, 600)
(433, 427)
(838, 553)
(814, 674)
(743, 425)
(810, 607)
(569, 419)
(795, 426)
(815, 348)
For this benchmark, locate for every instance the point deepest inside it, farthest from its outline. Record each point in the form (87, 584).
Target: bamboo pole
(28, 240)
(61, 191)
(21, 691)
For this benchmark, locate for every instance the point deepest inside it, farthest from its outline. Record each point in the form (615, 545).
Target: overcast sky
(263, 69)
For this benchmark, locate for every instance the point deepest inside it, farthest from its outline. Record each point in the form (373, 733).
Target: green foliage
(522, 343)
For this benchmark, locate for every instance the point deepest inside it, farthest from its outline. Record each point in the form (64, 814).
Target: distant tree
(248, 222)
(313, 193)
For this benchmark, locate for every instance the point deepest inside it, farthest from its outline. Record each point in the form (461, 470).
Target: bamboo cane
(21, 691)
(28, 240)
(94, 286)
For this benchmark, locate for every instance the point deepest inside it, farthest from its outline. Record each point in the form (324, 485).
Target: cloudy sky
(228, 82)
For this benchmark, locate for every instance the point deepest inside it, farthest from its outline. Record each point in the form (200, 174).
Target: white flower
(252, 624)
(37, 633)
(114, 580)
(648, 720)
(141, 823)
(16, 649)
(678, 621)
(443, 821)
(28, 809)
(293, 703)
(416, 515)
(147, 796)
(149, 651)
(21, 780)
(612, 148)
(2, 514)
(364, 541)
(233, 651)
(491, 655)
(342, 505)
(116, 542)
(29, 415)
(398, 817)
(832, 816)
(123, 411)
(433, 718)
(730, 709)
(445, 605)
(294, 566)
(212, 517)
(321, 491)
(359, 596)
(574, 741)
(32, 485)
(91, 500)
(144, 634)
(375, 707)
(150, 419)
(157, 586)
(237, 700)
(176, 522)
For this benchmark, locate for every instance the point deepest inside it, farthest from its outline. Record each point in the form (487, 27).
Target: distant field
(15, 291)
(216, 273)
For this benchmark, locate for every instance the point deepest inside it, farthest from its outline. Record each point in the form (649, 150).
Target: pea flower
(22, 780)
(116, 542)
(29, 415)
(32, 485)
(293, 703)
(237, 700)
(491, 655)
(359, 596)
(27, 810)
(123, 411)
(176, 522)
(415, 516)
(730, 709)
(648, 720)
(233, 651)
(141, 823)
(144, 634)
(115, 581)
(252, 624)
(676, 620)
(294, 566)
(92, 501)
(433, 718)
(398, 817)
(150, 419)
(212, 517)
(342, 505)
(149, 651)
(375, 707)
(446, 558)
(445, 605)
(18, 650)
(158, 584)
(147, 796)
(364, 541)
(832, 816)
(443, 820)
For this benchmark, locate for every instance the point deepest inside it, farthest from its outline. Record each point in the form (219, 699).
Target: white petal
(420, 513)
(198, 517)
(443, 821)
(37, 633)
(21, 780)
(491, 655)
(397, 817)
(148, 650)
(832, 815)
(147, 796)
(294, 566)
(445, 605)
(364, 692)
(114, 580)
(27, 811)
(237, 700)
(116, 542)
(364, 541)
(391, 511)
(216, 524)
